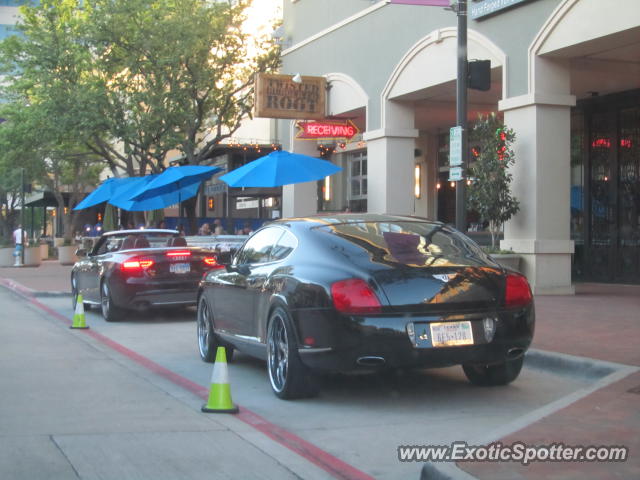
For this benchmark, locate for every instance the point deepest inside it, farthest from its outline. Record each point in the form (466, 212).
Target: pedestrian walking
(19, 240)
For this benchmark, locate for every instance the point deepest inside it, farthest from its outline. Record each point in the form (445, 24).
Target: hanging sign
(428, 3)
(278, 96)
(455, 146)
(455, 174)
(326, 130)
(484, 8)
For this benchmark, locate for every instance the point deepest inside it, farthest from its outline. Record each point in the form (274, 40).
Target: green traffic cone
(78, 315)
(220, 391)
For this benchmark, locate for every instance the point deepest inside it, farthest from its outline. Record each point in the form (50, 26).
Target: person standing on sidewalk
(18, 240)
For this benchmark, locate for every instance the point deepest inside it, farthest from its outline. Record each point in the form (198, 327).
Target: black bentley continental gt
(365, 291)
(138, 269)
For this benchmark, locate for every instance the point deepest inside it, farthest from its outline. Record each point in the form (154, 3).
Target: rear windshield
(114, 243)
(417, 244)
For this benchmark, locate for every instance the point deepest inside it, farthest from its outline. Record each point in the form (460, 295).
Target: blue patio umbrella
(104, 192)
(280, 168)
(174, 185)
(122, 196)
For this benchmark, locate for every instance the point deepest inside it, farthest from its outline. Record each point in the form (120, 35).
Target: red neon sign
(326, 130)
(606, 143)
(601, 142)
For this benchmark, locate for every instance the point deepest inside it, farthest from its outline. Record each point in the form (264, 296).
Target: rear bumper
(353, 343)
(136, 293)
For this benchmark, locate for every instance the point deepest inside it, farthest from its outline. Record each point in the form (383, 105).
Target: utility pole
(461, 112)
(22, 216)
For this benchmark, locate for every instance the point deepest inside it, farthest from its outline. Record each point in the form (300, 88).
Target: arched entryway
(418, 106)
(346, 100)
(574, 190)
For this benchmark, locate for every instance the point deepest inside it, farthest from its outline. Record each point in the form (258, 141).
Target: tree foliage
(489, 193)
(133, 81)
(136, 79)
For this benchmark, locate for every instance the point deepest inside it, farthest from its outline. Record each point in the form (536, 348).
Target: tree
(135, 80)
(489, 193)
(16, 154)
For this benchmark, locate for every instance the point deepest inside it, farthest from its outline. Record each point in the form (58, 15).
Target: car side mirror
(81, 252)
(241, 269)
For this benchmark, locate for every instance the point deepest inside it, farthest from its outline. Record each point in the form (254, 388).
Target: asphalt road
(358, 419)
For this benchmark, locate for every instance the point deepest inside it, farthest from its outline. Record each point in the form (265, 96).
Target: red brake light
(518, 292)
(212, 262)
(137, 263)
(354, 296)
(179, 253)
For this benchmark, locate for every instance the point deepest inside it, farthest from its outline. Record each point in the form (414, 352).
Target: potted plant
(67, 253)
(506, 258)
(44, 249)
(32, 255)
(489, 192)
(6, 254)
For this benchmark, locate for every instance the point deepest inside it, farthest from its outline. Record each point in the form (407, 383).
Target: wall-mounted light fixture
(417, 177)
(327, 189)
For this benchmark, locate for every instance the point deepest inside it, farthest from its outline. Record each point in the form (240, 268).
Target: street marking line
(291, 441)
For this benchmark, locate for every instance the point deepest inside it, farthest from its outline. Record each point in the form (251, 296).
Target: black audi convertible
(365, 291)
(138, 269)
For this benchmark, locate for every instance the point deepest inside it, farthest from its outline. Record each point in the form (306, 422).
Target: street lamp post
(461, 112)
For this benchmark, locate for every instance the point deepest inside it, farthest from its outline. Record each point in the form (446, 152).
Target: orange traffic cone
(220, 392)
(78, 316)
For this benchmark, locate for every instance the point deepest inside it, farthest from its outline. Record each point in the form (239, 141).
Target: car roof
(139, 231)
(326, 219)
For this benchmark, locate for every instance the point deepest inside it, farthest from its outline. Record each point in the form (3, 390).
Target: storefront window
(577, 190)
(358, 181)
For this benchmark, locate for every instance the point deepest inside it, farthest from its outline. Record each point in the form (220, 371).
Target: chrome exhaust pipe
(370, 361)
(514, 353)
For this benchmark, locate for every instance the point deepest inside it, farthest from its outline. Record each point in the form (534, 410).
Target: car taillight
(518, 292)
(212, 262)
(137, 264)
(354, 296)
(179, 253)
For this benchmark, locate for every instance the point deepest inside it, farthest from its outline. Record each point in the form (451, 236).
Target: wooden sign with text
(278, 96)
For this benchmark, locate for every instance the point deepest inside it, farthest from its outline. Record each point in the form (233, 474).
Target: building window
(358, 176)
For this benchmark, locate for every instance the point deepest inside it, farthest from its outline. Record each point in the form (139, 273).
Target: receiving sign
(326, 130)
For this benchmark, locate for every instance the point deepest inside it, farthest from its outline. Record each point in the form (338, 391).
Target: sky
(261, 15)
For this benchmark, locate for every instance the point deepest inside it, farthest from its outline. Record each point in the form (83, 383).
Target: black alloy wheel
(288, 376)
(110, 312)
(496, 374)
(74, 292)
(74, 295)
(206, 339)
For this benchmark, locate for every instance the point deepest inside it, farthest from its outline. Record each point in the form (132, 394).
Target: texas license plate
(450, 334)
(180, 268)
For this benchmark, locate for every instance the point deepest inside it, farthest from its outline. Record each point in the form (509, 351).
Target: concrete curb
(600, 372)
(450, 471)
(36, 293)
(569, 365)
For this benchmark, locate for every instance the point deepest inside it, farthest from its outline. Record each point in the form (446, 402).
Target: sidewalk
(50, 277)
(71, 409)
(600, 322)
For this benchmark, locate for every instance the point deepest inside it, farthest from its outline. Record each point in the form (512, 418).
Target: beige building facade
(565, 75)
